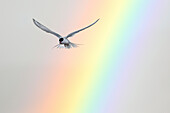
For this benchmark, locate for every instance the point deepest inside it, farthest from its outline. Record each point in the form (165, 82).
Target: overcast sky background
(25, 53)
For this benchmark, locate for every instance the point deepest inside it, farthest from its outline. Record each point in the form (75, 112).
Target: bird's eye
(61, 39)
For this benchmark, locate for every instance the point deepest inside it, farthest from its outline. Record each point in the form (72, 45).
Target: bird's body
(63, 41)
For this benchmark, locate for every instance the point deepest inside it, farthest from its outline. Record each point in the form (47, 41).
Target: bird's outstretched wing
(73, 33)
(45, 28)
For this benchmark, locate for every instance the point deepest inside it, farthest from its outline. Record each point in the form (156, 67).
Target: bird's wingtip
(34, 21)
(98, 19)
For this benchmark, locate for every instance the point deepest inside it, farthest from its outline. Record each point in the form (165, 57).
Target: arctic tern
(63, 41)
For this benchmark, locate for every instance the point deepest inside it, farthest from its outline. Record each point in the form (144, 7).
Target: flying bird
(63, 41)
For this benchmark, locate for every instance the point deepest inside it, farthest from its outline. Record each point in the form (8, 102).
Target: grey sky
(25, 51)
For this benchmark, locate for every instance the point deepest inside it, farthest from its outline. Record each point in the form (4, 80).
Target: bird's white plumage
(64, 42)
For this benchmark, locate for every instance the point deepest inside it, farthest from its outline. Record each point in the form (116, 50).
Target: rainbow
(89, 79)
